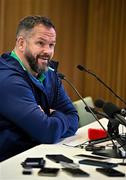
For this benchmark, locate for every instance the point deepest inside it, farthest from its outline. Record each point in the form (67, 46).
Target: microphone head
(111, 109)
(99, 103)
(81, 68)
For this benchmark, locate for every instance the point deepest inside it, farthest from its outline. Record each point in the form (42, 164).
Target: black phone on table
(48, 171)
(58, 158)
(98, 163)
(33, 162)
(91, 156)
(110, 172)
(76, 172)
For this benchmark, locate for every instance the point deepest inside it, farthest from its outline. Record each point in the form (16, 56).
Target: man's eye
(40, 43)
(51, 45)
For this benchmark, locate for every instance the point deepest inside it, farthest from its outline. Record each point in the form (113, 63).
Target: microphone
(114, 112)
(82, 68)
(99, 103)
(109, 107)
(115, 151)
(63, 77)
(96, 112)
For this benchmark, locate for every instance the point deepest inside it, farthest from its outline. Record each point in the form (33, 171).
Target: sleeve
(19, 106)
(64, 104)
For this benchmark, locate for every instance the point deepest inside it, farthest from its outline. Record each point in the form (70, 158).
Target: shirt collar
(14, 55)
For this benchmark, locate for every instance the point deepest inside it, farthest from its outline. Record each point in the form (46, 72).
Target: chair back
(84, 116)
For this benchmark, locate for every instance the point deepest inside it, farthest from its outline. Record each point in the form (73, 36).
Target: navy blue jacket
(22, 123)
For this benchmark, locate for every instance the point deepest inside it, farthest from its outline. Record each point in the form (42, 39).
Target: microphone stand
(82, 68)
(109, 153)
(114, 152)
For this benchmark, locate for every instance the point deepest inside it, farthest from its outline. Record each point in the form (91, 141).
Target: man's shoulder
(5, 57)
(10, 70)
(9, 64)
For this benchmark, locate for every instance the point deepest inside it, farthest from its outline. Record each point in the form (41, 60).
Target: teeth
(45, 58)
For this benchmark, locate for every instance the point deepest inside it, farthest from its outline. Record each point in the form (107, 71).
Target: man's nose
(47, 50)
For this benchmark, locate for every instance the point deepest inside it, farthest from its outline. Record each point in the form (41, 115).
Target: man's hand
(51, 111)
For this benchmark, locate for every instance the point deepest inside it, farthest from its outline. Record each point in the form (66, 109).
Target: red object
(94, 134)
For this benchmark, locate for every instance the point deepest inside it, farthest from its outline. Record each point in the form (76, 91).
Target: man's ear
(21, 43)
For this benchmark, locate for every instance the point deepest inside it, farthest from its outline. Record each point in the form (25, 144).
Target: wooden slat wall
(90, 32)
(106, 45)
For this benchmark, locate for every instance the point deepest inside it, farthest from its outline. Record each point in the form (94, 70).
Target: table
(12, 170)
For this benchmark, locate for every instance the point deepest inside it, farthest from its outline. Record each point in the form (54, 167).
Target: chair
(84, 116)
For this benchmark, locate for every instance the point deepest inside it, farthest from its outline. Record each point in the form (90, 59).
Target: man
(34, 107)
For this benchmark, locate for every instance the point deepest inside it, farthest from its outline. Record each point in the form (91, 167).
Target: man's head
(35, 42)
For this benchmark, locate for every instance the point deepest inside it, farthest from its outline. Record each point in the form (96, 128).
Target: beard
(33, 62)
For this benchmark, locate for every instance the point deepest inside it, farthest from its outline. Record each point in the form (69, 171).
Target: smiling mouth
(43, 61)
(43, 58)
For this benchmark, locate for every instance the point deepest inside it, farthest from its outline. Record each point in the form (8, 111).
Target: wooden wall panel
(89, 32)
(105, 48)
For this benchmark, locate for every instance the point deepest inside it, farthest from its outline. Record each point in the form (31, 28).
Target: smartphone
(98, 163)
(69, 165)
(48, 172)
(76, 172)
(58, 158)
(33, 162)
(110, 172)
(90, 156)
